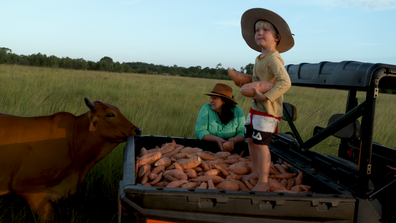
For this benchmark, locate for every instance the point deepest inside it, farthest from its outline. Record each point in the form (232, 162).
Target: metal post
(366, 144)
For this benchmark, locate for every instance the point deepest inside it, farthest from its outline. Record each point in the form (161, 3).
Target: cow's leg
(39, 203)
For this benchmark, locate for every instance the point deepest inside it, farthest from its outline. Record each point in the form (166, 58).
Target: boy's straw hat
(222, 90)
(249, 19)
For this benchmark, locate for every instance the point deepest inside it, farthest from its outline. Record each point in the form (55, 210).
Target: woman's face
(216, 103)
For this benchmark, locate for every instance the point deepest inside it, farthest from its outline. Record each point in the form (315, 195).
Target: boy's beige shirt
(271, 68)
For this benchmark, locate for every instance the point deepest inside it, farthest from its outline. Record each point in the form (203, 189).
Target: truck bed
(329, 202)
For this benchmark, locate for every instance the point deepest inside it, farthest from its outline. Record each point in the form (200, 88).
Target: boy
(266, 32)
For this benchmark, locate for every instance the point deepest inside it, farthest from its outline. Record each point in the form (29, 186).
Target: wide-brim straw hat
(249, 19)
(222, 90)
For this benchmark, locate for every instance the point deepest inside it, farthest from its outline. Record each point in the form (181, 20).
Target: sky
(197, 33)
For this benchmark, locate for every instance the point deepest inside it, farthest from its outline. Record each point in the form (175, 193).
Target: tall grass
(160, 105)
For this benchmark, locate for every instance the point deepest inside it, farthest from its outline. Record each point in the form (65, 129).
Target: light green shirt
(208, 122)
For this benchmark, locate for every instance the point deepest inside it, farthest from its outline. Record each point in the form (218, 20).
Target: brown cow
(46, 158)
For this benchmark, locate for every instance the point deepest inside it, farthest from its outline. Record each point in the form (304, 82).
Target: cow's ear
(92, 123)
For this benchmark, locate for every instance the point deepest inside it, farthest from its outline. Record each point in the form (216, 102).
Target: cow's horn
(89, 103)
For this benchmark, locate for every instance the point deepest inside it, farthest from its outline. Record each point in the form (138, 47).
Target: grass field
(160, 105)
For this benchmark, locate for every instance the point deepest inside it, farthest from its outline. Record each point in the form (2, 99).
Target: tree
(249, 69)
(108, 60)
(5, 49)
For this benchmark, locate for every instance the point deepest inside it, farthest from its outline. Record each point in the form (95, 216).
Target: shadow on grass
(97, 204)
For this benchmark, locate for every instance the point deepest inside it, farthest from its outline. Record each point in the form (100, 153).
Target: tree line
(107, 64)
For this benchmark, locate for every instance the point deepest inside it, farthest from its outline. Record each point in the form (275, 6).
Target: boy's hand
(259, 96)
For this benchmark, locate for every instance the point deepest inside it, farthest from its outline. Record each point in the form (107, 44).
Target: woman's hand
(220, 142)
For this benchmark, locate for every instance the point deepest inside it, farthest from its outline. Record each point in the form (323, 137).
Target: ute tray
(330, 202)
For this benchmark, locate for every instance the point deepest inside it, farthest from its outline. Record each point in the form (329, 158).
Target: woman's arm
(216, 139)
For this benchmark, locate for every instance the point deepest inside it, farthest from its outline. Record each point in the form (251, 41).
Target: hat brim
(249, 19)
(221, 95)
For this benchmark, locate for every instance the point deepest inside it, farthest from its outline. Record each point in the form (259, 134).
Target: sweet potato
(247, 90)
(215, 179)
(299, 178)
(191, 173)
(152, 176)
(280, 168)
(253, 181)
(211, 185)
(284, 182)
(143, 151)
(240, 168)
(203, 185)
(171, 167)
(275, 185)
(205, 165)
(161, 184)
(154, 150)
(190, 150)
(222, 155)
(286, 167)
(248, 185)
(177, 183)
(290, 183)
(176, 173)
(234, 156)
(145, 178)
(283, 176)
(206, 156)
(164, 161)
(158, 169)
(239, 78)
(212, 172)
(228, 146)
(149, 159)
(197, 169)
(274, 171)
(305, 188)
(231, 161)
(177, 166)
(189, 185)
(228, 185)
(234, 177)
(168, 147)
(242, 186)
(180, 155)
(170, 178)
(147, 184)
(157, 179)
(175, 151)
(221, 169)
(296, 188)
(143, 170)
(190, 163)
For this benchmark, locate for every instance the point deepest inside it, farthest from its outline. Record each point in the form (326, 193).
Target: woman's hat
(222, 90)
(249, 19)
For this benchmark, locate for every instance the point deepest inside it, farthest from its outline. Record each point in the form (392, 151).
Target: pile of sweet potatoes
(174, 165)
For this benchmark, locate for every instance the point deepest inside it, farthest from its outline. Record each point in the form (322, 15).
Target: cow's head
(107, 121)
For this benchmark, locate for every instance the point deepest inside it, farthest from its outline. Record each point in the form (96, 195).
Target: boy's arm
(283, 81)
(239, 78)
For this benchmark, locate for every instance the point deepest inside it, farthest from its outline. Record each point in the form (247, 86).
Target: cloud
(369, 5)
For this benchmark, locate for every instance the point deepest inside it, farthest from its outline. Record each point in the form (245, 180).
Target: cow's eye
(110, 115)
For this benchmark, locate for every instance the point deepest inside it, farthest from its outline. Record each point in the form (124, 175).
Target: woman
(221, 120)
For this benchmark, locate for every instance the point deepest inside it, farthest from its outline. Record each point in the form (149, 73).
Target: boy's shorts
(260, 127)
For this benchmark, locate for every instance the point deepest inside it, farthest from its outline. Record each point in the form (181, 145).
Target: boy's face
(265, 36)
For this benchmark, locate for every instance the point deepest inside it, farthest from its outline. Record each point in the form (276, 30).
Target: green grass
(160, 105)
